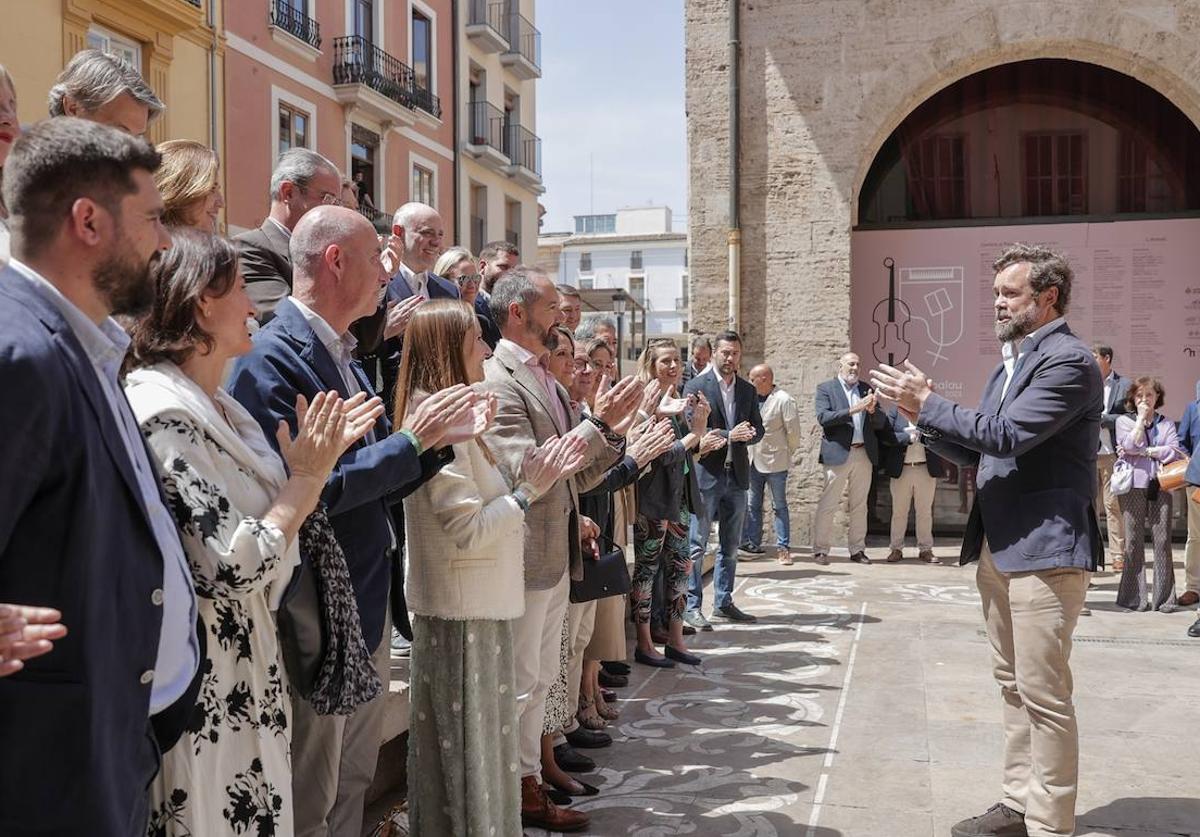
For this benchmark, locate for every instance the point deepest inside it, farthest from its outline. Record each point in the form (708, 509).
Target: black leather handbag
(606, 576)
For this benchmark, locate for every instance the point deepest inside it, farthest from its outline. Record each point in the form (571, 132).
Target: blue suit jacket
(1189, 435)
(398, 291)
(289, 358)
(75, 733)
(1036, 455)
(1115, 408)
(745, 407)
(837, 425)
(895, 441)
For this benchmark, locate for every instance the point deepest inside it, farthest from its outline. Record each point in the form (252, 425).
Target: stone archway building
(823, 84)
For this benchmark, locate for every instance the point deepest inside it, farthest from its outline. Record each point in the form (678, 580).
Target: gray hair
(1047, 269)
(700, 340)
(314, 233)
(407, 213)
(589, 324)
(299, 166)
(450, 258)
(515, 285)
(94, 78)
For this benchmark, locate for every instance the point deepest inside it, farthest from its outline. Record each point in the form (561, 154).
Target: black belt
(922, 462)
(859, 445)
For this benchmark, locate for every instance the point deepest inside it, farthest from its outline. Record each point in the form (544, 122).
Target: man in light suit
(84, 528)
(302, 180)
(724, 477)
(849, 419)
(533, 408)
(1032, 527)
(770, 461)
(1115, 390)
(306, 349)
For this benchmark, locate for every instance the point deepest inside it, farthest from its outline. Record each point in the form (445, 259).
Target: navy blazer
(289, 358)
(75, 732)
(1115, 408)
(895, 442)
(837, 425)
(1035, 450)
(745, 407)
(389, 353)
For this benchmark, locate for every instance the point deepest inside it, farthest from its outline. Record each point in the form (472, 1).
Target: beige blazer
(465, 542)
(781, 434)
(524, 419)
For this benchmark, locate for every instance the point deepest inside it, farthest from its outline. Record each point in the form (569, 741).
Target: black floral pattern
(168, 817)
(254, 804)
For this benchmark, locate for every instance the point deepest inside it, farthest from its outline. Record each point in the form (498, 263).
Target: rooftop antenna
(591, 183)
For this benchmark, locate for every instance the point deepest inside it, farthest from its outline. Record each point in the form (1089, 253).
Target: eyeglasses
(469, 279)
(330, 199)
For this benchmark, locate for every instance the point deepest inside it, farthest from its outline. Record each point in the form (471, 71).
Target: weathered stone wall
(823, 84)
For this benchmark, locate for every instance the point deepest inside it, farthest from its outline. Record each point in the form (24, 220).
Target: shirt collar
(523, 355)
(105, 344)
(337, 345)
(727, 386)
(286, 232)
(846, 386)
(414, 280)
(1013, 349)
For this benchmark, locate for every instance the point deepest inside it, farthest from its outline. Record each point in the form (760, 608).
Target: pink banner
(1137, 288)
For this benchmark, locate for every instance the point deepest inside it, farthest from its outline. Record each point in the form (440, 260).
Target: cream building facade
(869, 128)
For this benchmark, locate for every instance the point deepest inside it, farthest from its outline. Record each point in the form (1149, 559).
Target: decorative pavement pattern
(862, 704)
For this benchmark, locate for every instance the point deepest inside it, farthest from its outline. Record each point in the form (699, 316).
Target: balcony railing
(487, 125)
(424, 99)
(525, 39)
(490, 14)
(524, 148)
(357, 61)
(295, 22)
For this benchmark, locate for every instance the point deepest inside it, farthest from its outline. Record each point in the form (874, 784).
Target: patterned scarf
(347, 679)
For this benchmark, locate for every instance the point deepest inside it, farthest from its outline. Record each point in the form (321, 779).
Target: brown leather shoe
(1188, 599)
(537, 811)
(895, 556)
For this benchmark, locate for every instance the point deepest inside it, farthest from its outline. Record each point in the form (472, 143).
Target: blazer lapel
(524, 376)
(1022, 372)
(712, 391)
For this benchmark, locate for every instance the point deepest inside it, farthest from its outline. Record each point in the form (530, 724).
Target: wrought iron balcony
(295, 22)
(487, 24)
(485, 137)
(358, 61)
(524, 150)
(424, 99)
(524, 56)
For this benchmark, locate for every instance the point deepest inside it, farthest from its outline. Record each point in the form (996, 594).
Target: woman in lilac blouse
(1147, 440)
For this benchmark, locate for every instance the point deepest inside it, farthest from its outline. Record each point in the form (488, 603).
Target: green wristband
(412, 437)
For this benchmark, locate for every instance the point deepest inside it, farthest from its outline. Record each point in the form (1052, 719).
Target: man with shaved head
(305, 349)
(847, 413)
(770, 460)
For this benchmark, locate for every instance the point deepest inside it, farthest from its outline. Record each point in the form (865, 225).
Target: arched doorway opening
(1080, 157)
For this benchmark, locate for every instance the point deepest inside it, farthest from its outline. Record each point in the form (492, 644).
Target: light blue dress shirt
(859, 417)
(178, 651)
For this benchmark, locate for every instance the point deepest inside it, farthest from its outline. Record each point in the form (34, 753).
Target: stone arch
(1152, 74)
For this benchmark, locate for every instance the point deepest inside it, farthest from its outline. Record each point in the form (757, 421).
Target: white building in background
(632, 249)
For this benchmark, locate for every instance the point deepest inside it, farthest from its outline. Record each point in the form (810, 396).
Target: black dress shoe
(647, 660)
(556, 796)
(571, 761)
(588, 739)
(1195, 629)
(615, 667)
(613, 681)
(997, 821)
(860, 558)
(681, 656)
(731, 613)
(588, 790)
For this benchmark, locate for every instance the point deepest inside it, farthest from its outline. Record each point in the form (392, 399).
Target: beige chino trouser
(1113, 518)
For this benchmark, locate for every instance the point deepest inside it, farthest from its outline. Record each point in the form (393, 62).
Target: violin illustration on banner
(892, 318)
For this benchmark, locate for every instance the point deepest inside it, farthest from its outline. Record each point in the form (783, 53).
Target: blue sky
(611, 92)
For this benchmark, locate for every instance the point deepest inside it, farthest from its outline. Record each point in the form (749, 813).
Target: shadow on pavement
(1170, 815)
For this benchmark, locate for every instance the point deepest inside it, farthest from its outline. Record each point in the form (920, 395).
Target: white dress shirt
(418, 283)
(341, 349)
(1014, 350)
(1105, 436)
(727, 399)
(858, 418)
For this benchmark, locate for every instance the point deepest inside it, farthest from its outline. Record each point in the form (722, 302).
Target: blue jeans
(754, 507)
(726, 503)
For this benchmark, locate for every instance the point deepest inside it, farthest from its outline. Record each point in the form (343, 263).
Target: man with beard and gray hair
(1032, 528)
(84, 528)
(106, 89)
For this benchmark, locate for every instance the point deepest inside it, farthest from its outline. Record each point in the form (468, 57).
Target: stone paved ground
(862, 704)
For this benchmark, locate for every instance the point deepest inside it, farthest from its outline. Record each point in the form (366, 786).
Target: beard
(543, 337)
(1016, 326)
(126, 284)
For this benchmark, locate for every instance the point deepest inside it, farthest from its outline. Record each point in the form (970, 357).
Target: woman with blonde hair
(465, 583)
(188, 180)
(10, 129)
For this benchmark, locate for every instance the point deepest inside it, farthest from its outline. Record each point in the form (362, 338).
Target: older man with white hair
(306, 349)
(302, 181)
(103, 88)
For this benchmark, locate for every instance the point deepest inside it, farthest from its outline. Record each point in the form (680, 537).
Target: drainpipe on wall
(457, 167)
(735, 231)
(212, 76)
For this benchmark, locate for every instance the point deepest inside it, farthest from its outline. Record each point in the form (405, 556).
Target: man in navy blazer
(1189, 436)
(84, 527)
(724, 477)
(847, 413)
(914, 471)
(307, 348)
(1032, 527)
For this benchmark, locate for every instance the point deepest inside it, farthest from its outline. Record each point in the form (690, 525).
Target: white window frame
(281, 96)
(110, 38)
(377, 25)
(433, 40)
(415, 160)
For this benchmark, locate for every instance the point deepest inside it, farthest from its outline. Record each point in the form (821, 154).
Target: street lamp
(618, 303)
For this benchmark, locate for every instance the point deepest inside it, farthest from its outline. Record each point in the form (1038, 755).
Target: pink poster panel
(1137, 288)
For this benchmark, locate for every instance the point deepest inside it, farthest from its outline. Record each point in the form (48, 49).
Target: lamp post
(618, 303)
